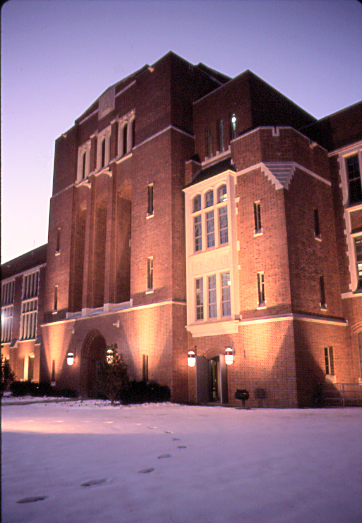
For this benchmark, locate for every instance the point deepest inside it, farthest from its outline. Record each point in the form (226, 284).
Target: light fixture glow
(70, 358)
(191, 359)
(229, 356)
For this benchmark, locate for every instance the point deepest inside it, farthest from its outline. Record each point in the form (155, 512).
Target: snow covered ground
(164, 463)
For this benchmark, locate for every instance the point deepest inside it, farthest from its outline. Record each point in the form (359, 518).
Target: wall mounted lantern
(229, 356)
(70, 358)
(110, 356)
(191, 358)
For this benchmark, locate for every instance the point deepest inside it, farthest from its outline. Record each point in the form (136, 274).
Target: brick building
(202, 219)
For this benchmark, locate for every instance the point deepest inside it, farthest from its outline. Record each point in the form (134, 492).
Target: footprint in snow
(181, 446)
(32, 499)
(152, 427)
(176, 439)
(147, 471)
(94, 482)
(164, 456)
(168, 432)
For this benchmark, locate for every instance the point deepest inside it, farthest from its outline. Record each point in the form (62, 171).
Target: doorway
(93, 351)
(214, 380)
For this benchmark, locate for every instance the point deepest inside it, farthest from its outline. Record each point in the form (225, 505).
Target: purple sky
(58, 56)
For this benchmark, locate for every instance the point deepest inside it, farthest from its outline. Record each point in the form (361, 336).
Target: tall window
(261, 289)
(55, 297)
(212, 296)
(199, 299)
(354, 179)
(125, 144)
(150, 199)
(233, 126)
(358, 246)
(222, 194)
(150, 273)
(210, 229)
(7, 308)
(223, 225)
(209, 199)
(84, 159)
(360, 352)
(257, 218)
(57, 247)
(329, 360)
(225, 294)
(221, 136)
(317, 231)
(322, 293)
(103, 159)
(208, 143)
(29, 306)
(197, 203)
(198, 233)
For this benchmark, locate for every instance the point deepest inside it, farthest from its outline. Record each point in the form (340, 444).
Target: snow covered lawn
(75, 462)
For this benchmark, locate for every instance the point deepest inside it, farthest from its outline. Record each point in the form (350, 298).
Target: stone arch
(93, 350)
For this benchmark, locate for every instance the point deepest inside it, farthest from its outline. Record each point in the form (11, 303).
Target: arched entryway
(93, 351)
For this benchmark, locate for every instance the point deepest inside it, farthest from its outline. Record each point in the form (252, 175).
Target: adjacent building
(209, 227)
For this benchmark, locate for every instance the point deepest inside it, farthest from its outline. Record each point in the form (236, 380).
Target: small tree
(7, 376)
(112, 376)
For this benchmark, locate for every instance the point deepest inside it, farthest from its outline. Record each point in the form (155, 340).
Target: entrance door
(93, 351)
(214, 380)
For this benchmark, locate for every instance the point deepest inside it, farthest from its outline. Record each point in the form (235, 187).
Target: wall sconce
(229, 355)
(191, 358)
(109, 356)
(70, 358)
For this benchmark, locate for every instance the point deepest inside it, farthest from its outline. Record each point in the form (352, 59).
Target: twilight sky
(58, 56)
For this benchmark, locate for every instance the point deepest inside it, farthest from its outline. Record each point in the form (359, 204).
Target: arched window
(197, 203)
(209, 199)
(125, 133)
(103, 161)
(222, 194)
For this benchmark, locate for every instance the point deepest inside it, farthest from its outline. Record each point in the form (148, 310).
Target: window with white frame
(322, 293)
(126, 134)
(225, 294)
(217, 304)
(150, 273)
(103, 148)
(223, 225)
(358, 247)
(329, 360)
(150, 199)
(83, 168)
(199, 299)
(261, 289)
(257, 218)
(198, 232)
(206, 229)
(7, 309)
(212, 296)
(29, 306)
(354, 178)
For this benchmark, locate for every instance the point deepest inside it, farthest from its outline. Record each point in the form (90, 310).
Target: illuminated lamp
(229, 356)
(110, 356)
(191, 358)
(70, 358)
